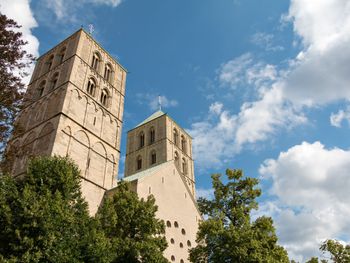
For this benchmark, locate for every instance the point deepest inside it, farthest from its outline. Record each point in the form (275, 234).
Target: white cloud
(265, 41)
(66, 10)
(336, 119)
(319, 75)
(225, 133)
(19, 10)
(311, 184)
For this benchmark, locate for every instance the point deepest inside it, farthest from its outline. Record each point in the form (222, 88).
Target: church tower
(74, 107)
(159, 162)
(157, 140)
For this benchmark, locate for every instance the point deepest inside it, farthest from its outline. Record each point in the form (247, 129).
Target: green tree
(44, 218)
(228, 234)
(130, 224)
(13, 63)
(339, 253)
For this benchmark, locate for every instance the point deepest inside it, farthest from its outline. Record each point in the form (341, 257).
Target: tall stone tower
(159, 162)
(74, 106)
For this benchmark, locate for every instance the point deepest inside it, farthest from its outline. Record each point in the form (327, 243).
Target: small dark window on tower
(181, 245)
(139, 163)
(183, 231)
(182, 261)
(176, 159)
(153, 157)
(189, 243)
(184, 166)
(40, 90)
(141, 139)
(183, 144)
(168, 224)
(176, 224)
(108, 72)
(95, 61)
(152, 134)
(54, 81)
(104, 97)
(94, 121)
(61, 55)
(172, 241)
(49, 62)
(176, 137)
(91, 87)
(172, 258)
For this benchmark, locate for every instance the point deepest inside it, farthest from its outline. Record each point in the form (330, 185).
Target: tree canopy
(335, 251)
(135, 233)
(13, 62)
(44, 218)
(228, 233)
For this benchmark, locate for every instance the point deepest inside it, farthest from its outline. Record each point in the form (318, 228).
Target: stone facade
(159, 162)
(74, 106)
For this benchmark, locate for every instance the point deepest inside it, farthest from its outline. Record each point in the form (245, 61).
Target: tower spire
(160, 102)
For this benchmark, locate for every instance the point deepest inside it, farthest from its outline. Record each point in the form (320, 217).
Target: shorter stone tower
(74, 107)
(159, 162)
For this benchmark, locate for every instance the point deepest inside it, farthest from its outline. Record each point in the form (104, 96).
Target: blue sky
(260, 85)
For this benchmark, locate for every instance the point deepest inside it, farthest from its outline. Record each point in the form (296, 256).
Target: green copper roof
(144, 173)
(150, 118)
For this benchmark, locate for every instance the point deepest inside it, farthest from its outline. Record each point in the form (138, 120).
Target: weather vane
(160, 102)
(91, 29)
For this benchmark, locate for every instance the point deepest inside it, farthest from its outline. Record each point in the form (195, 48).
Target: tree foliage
(228, 234)
(13, 62)
(337, 252)
(44, 218)
(130, 224)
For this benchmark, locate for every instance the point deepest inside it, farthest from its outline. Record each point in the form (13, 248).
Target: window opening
(61, 55)
(91, 86)
(95, 61)
(108, 73)
(139, 163)
(176, 137)
(152, 135)
(153, 157)
(104, 97)
(142, 139)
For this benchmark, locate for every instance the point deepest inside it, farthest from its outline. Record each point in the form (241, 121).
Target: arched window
(183, 231)
(49, 62)
(172, 241)
(91, 87)
(181, 245)
(41, 88)
(176, 157)
(153, 157)
(168, 224)
(189, 243)
(176, 224)
(152, 135)
(61, 55)
(104, 97)
(139, 163)
(184, 166)
(53, 81)
(172, 258)
(141, 139)
(96, 58)
(176, 136)
(108, 72)
(183, 144)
